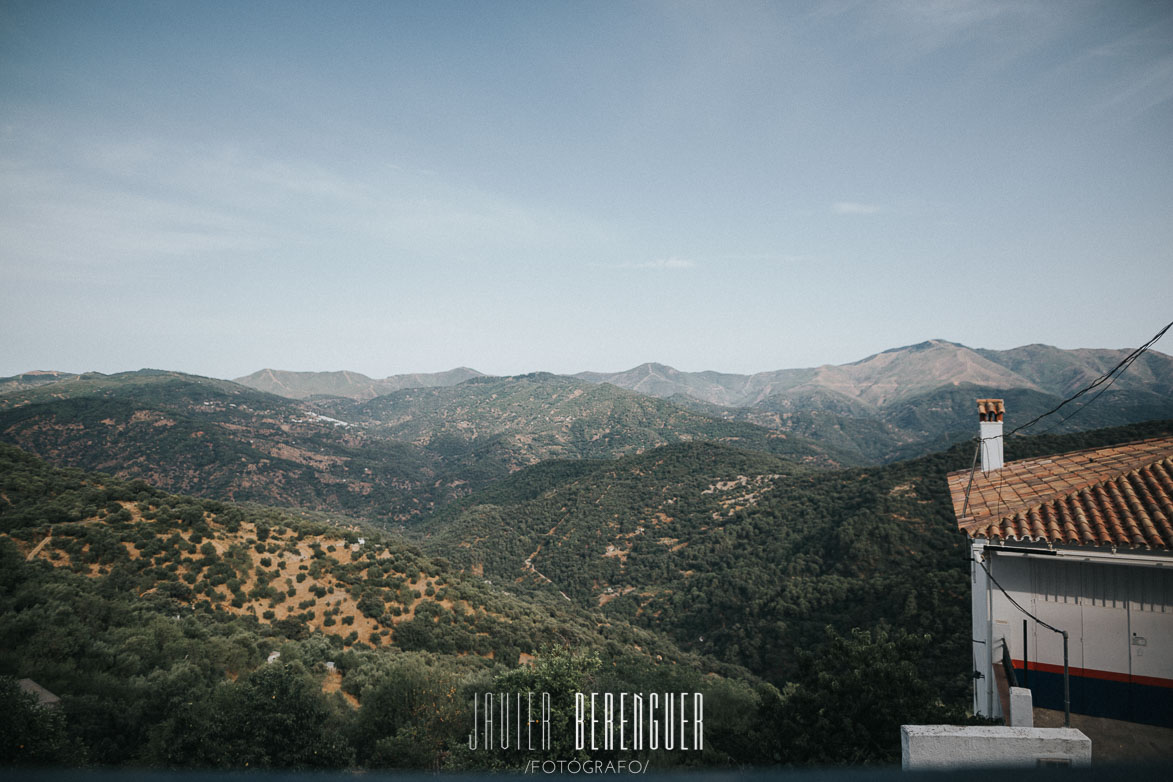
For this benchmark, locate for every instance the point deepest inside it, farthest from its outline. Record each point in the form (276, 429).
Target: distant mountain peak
(347, 383)
(891, 375)
(928, 344)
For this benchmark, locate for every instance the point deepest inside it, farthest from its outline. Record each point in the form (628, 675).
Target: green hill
(531, 418)
(388, 460)
(353, 385)
(186, 632)
(27, 380)
(742, 556)
(218, 439)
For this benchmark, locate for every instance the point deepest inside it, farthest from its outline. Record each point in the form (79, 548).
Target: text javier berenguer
(636, 720)
(602, 721)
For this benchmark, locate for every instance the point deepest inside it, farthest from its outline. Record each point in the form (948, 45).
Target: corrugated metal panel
(1152, 590)
(1105, 586)
(1057, 581)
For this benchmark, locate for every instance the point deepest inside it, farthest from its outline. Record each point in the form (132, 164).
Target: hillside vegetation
(221, 440)
(354, 385)
(531, 418)
(742, 556)
(914, 400)
(156, 618)
(405, 551)
(388, 460)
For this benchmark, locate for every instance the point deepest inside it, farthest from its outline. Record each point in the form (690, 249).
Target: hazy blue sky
(395, 187)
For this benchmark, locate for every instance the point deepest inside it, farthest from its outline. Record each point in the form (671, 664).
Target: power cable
(1108, 378)
(1015, 602)
(972, 470)
(1066, 638)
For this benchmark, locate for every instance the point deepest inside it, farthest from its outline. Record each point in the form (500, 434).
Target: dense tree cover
(152, 672)
(746, 560)
(541, 416)
(151, 682)
(31, 735)
(216, 439)
(154, 616)
(274, 717)
(732, 553)
(847, 701)
(390, 459)
(933, 420)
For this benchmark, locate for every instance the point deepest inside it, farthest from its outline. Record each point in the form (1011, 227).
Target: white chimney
(990, 422)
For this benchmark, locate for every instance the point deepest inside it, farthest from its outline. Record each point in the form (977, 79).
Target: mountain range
(408, 542)
(389, 459)
(303, 385)
(330, 439)
(899, 374)
(897, 404)
(875, 382)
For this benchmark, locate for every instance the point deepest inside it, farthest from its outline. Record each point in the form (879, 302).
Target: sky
(392, 187)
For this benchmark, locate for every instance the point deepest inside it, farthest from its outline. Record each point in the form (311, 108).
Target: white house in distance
(1084, 542)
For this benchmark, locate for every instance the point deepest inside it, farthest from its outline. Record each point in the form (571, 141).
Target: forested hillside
(156, 619)
(388, 460)
(917, 399)
(560, 534)
(741, 556)
(532, 418)
(220, 440)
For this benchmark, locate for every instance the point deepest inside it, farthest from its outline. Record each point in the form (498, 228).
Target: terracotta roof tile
(1119, 496)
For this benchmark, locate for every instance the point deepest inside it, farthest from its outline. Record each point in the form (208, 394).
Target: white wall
(1117, 610)
(955, 746)
(984, 701)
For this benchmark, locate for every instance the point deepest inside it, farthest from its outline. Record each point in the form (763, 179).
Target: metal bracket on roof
(1023, 550)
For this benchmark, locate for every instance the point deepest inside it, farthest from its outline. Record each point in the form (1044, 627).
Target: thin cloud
(667, 263)
(1144, 88)
(671, 263)
(937, 24)
(124, 205)
(854, 208)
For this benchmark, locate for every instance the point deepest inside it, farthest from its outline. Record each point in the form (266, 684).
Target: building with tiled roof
(1118, 497)
(1081, 542)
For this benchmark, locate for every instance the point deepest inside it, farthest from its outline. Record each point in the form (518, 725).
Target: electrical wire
(1108, 378)
(1015, 602)
(968, 486)
(1106, 381)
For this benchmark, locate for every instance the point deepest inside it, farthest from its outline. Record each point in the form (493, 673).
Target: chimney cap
(990, 409)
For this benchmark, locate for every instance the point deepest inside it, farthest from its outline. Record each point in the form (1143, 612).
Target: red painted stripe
(1152, 681)
(1092, 673)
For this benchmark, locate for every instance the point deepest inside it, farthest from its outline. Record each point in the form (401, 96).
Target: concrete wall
(1022, 713)
(954, 746)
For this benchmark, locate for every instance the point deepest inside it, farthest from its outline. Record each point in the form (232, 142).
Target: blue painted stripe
(1103, 698)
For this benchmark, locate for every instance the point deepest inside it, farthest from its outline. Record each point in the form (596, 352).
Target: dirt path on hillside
(37, 550)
